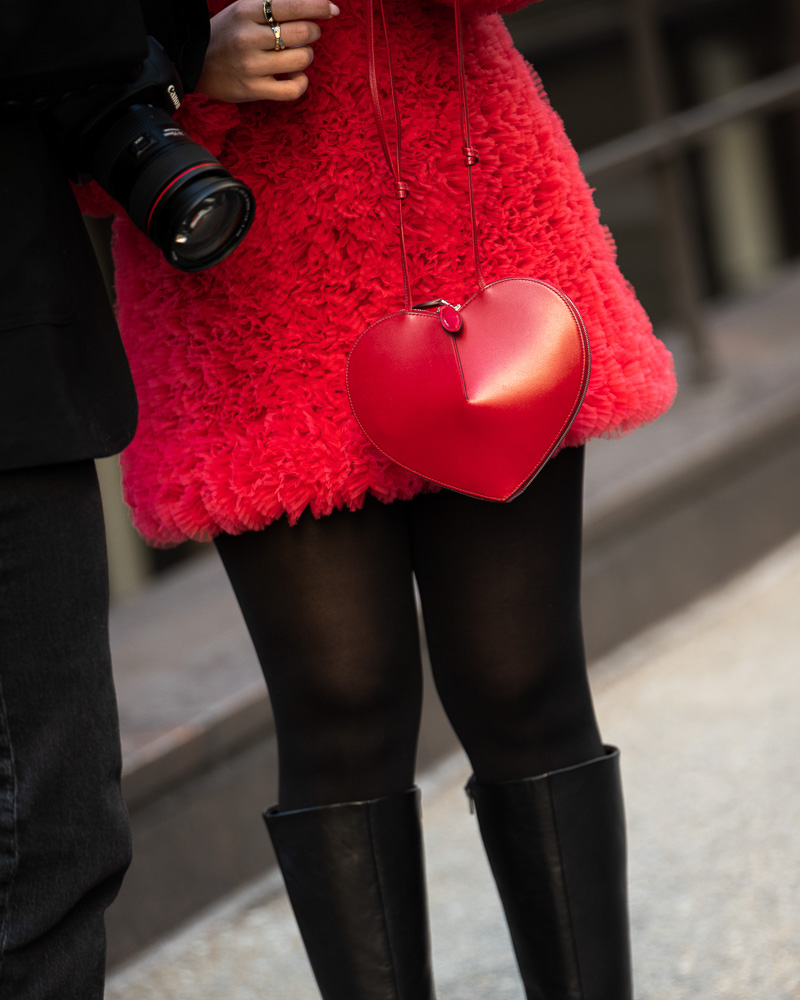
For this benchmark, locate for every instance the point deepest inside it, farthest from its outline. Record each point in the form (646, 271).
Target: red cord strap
(470, 154)
(395, 164)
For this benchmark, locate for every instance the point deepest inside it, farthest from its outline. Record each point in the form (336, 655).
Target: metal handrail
(654, 144)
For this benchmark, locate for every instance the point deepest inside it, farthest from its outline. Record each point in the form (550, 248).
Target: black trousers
(64, 834)
(330, 606)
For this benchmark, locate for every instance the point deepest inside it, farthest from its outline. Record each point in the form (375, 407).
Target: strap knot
(400, 189)
(470, 155)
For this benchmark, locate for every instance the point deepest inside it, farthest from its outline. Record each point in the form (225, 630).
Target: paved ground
(705, 708)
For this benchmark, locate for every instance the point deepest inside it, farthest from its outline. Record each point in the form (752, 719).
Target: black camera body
(173, 189)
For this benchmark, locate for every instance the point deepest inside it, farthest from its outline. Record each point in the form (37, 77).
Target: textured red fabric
(240, 369)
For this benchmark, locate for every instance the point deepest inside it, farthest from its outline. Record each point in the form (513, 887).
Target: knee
(353, 691)
(370, 722)
(520, 723)
(352, 710)
(513, 695)
(497, 685)
(351, 739)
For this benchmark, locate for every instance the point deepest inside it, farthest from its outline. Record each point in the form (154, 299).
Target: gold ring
(268, 17)
(279, 42)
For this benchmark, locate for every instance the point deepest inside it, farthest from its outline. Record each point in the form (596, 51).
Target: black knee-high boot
(556, 846)
(355, 875)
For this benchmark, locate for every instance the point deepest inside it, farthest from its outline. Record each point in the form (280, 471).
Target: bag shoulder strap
(394, 163)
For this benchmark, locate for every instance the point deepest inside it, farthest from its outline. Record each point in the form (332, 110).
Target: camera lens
(172, 188)
(203, 221)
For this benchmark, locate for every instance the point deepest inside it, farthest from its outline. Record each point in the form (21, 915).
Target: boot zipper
(470, 797)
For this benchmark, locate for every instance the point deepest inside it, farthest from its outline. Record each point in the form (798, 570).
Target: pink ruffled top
(240, 369)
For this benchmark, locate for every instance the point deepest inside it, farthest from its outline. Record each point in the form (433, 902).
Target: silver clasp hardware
(436, 304)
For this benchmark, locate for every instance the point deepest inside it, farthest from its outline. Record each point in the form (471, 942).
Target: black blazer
(65, 387)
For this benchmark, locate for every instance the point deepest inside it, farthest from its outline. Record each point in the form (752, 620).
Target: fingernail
(334, 9)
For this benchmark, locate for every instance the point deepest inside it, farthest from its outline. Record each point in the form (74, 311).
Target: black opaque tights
(330, 607)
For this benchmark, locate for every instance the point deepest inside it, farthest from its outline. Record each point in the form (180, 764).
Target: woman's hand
(242, 64)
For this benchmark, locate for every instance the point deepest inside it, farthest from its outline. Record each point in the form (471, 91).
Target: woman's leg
(500, 592)
(500, 586)
(330, 607)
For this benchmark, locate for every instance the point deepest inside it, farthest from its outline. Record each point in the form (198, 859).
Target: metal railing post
(671, 181)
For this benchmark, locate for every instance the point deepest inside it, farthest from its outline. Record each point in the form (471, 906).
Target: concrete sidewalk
(705, 707)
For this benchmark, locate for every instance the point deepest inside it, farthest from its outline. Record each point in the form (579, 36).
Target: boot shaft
(355, 875)
(556, 846)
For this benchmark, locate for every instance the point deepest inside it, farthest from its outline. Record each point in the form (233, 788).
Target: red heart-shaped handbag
(475, 397)
(479, 408)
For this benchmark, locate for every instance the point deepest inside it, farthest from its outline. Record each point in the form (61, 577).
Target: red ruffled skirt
(244, 416)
